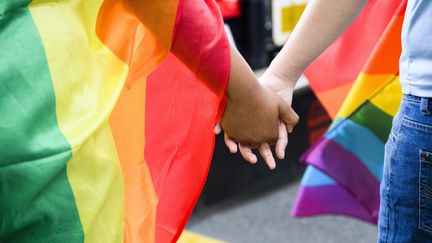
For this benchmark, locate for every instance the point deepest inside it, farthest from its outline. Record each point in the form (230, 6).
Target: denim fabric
(406, 188)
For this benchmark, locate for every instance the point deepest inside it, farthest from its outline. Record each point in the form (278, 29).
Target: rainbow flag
(346, 164)
(107, 111)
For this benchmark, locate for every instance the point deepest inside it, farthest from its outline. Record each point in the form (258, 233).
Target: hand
(251, 117)
(285, 90)
(241, 87)
(252, 111)
(263, 149)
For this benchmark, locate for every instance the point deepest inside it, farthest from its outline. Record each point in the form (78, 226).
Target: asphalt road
(264, 218)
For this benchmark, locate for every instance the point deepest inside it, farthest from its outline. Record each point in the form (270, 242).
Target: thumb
(287, 115)
(217, 129)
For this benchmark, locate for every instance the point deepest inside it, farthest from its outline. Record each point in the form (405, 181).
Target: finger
(217, 129)
(247, 154)
(232, 146)
(267, 155)
(282, 141)
(288, 116)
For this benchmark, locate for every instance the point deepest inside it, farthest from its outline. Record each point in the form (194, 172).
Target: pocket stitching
(422, 197)
(416, 125)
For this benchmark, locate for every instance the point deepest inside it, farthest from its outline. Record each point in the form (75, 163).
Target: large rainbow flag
(107, 111)
(357, 81)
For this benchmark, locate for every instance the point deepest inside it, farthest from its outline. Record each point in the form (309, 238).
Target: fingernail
(231, 149)
(272, 167)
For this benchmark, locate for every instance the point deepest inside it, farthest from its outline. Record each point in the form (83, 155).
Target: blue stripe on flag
(315, 177)
(361, 142)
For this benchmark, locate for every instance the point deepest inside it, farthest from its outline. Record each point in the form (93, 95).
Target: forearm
(251, 112)
(321, 23)
(242, 81)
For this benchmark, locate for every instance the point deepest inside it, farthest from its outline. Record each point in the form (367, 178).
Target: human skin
(253, 111)
(321, 23)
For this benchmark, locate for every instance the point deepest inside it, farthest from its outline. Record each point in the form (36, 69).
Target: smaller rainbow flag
(346, 164)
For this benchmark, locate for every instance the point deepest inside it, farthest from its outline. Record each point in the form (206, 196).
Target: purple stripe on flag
(347, 170)
(329, 199)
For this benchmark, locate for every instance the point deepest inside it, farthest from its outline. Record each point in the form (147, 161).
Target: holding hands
(256, 114)
(309, 39)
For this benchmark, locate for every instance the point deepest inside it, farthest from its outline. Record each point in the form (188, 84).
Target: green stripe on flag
(373, 118)
(9, 6)
(36, 200)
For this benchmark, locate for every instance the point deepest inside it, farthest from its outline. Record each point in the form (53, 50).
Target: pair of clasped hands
(258, 112)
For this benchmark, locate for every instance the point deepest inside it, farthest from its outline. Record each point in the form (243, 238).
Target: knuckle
(254, 142)
(272, 138)
(295, 118)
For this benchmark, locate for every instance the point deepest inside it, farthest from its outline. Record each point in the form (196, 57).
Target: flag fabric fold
(107, 116)
(346, 164)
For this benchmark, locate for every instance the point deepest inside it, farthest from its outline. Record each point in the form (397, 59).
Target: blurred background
(249, 203)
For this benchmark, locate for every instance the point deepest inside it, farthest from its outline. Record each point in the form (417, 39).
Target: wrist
(239, 91)
(286, 70)
(287, 81)
(242, 81)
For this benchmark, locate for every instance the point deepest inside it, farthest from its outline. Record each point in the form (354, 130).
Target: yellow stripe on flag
(364, 87)
(389, 103)
(190, 237)
(87, 79)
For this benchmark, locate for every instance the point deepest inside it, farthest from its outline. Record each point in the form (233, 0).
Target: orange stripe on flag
(332, 99)
(139, 33)
(385, 57)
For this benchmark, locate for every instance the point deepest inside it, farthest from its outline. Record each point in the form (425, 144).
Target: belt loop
(424, 106)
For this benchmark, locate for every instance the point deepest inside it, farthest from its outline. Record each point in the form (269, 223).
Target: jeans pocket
(425, 193)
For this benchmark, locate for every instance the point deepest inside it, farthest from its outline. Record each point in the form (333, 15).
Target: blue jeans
(406, 189)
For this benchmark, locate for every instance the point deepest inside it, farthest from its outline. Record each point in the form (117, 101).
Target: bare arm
(321, 23)
(252, 113)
